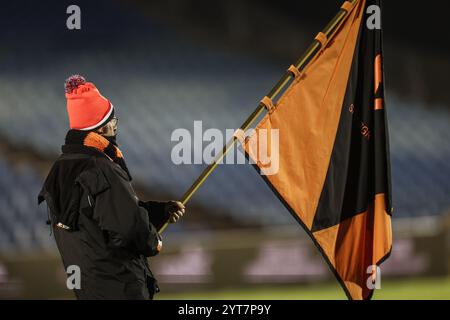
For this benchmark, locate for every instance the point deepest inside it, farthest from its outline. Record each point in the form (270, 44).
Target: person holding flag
(100, 225)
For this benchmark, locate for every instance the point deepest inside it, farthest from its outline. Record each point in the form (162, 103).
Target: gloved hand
(175, 209)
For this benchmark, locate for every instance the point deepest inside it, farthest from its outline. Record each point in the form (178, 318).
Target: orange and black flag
(333, 160)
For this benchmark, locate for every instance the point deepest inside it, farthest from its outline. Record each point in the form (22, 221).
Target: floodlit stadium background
(165, 65)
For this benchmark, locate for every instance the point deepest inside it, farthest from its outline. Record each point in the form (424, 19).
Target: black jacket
(101, 226)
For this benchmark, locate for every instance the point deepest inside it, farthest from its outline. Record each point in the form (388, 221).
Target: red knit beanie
(87, 108)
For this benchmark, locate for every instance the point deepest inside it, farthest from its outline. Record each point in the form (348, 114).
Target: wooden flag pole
(302, 62)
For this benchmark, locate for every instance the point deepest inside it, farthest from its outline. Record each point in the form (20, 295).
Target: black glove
(175, 209)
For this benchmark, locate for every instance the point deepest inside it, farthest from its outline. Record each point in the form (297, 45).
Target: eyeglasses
(114, 121)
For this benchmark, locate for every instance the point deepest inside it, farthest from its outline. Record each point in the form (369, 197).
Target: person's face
(110, 129)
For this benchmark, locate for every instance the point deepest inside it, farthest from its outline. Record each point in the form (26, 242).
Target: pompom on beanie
(86, 107)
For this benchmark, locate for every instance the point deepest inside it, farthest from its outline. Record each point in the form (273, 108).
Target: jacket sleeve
(156, 212)
(116, 209)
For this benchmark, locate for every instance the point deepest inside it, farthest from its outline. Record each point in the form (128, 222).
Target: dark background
(166, 64)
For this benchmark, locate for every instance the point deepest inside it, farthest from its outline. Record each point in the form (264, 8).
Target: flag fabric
(334, 169)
